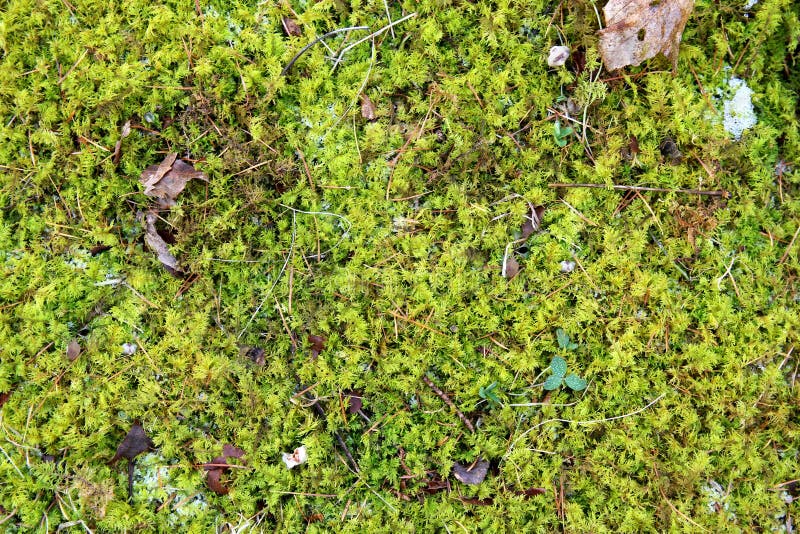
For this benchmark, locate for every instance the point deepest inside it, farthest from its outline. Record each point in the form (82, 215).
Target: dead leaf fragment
(126, 131)
(637, 30)
(165, 181)
(533, 221)
(367, 108)
(159, 246)
(256, 354)
(135, 443)
(317, 345)
(291, 27)
(355, 402)
(510, 267)
(472, 475)
(670, 150)
(73, 350)
(219, 465)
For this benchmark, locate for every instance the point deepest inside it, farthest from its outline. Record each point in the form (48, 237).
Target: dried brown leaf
(368, 110)
(256, 354)
(218, 465)
(355, 402)
(637, 30)
(510, 267)
(317, 345)
(473, 474)
(135, 443)
(533, 221)
(165, 181)
(159, 246)
(73, 350)
(291, 27)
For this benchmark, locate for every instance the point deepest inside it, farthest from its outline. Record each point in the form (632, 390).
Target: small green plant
(558, 367)
(488, 394)
(561, 133)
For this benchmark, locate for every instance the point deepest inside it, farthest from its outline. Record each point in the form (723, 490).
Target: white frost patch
(750, 5)
(738, 112)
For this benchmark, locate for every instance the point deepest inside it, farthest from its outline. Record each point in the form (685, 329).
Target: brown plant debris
(637, 30)
(219, 465)
(73, 350)
(159, 246)
(135, 443)
(165, 181)
(368, 110)
(442, 395)
(473, 474)
(317, 345)
(291, 27)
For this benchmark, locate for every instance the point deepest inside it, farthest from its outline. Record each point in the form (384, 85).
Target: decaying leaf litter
(527, 269)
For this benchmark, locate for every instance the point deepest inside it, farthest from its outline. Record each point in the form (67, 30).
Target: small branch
(716, 193)
(442, 395)
(789, 246)
(315, 41)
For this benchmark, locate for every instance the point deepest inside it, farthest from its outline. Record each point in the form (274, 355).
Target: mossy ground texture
(390, 238)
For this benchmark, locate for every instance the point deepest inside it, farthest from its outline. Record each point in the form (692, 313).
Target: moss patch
(388, 238)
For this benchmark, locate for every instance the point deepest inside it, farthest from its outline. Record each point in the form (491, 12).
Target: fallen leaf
(135, 443)
(73, 350)
(4, 398)
(355, 402)
(256, 354)
(317, 345)
(510, 267)
(670, 150)
(472, 475)
(165, 181)
(159, 246)
(637, 30)
(367, 108)
(532, 222)
(98, 249)
(291, 27)
(558, 56)
(298, 457)
(219, 465)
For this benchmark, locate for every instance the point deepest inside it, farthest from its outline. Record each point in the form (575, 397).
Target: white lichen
(738, 112)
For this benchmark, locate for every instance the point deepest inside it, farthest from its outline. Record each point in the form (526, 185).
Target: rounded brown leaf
(73, 350)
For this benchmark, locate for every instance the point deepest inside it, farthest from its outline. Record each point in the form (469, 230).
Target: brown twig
(789, 246)
(442, 395)
(715, 193)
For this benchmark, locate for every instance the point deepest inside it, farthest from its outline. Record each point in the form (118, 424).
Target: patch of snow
(750, 5)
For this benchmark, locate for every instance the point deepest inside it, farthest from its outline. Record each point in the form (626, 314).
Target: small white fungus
(299, 456)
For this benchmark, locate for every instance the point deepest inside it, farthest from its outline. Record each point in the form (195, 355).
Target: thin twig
(315, 41)
(789, 246)
(373, 34)
(442, 395)
(716, 193)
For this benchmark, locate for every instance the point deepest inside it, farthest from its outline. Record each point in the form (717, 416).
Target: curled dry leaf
(135, 443)
(126, 131)
(291, 27)
(533, 221)
(367, 108)
(510, 267)
(73, 350)
(256, 354)
(165, 181)
(473, 474)
(317, 345)
(355, 402)
(219, 465)
(298, 457)
(159, 246)
(637, 30)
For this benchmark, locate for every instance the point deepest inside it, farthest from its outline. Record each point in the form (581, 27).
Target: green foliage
(386, 237)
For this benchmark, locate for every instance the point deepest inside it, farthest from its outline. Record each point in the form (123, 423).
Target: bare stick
(442, 395)
(315, 41)
(389, 17)
(789, 246)
(374, 34)
(716, 193)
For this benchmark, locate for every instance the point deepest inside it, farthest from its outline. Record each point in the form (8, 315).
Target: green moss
(388, 239)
